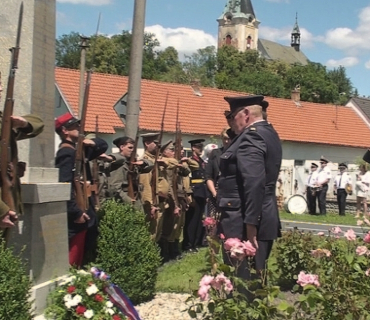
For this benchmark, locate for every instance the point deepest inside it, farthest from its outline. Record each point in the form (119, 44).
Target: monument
(42, 230)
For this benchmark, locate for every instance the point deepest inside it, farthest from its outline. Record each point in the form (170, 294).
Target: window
(228, 40)
(298, 162)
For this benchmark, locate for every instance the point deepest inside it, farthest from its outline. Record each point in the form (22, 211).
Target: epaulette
(253, 128)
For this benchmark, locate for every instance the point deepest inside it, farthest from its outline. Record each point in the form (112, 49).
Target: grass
(184, 275)
(330, 218)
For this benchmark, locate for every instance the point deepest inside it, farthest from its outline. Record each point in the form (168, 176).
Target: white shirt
(341, 180)
(312, 179)
(365, 178)
(324, 174)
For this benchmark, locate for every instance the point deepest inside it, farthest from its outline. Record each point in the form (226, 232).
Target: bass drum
(296, 204)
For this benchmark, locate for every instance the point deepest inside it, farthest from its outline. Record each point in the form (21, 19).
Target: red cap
(65, 120)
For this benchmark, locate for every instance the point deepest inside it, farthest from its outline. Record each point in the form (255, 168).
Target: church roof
(296, 27)
(239, 9)
(363, 104)
(276, 51)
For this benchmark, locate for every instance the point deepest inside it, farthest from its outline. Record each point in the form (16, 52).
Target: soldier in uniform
(82, 226)
(25, 127)
(323, 179)
(342, 183)
(119, 169)
(193, 218)
(249, 168)
(155, 198)
(311, 189)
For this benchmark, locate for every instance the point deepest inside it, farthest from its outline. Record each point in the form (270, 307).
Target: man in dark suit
(249, 170)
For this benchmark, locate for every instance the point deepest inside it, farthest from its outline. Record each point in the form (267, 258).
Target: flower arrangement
(82, 296)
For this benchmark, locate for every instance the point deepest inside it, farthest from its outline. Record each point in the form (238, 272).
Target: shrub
(15, 286)
(126, 251)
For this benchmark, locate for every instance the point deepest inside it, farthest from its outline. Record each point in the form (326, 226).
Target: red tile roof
(309, 123)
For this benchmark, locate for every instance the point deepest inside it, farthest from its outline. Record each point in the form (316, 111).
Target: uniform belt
(196, 181)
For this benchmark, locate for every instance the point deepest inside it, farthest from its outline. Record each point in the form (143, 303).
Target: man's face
(341, 169)
(126, 150)
(197, 149)
(239, 120)
(72, 131)
(151, 146)
(313, 168)
(323, 164)
(169, 153)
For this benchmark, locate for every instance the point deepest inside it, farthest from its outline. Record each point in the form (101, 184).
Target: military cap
(313, 164)
(152, 136)
(65, 120)
(343, 165)
(243, 101)
(323, 159)
(196, 142)
(167, 145)
(120, 141)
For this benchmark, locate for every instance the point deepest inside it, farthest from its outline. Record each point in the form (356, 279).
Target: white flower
(72, 303)
(67, 280)
(83, 272)
(77, 298)
(89, 314)
(109, 310)
(67, 297)
(92, 290)
(68, 304)
(109, 304)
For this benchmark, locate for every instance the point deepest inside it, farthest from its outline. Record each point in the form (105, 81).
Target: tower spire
(296, 35)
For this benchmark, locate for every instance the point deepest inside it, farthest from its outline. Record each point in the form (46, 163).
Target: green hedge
(15, 286)
(126, 251)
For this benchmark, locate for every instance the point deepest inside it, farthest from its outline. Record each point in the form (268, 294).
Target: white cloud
(345, 62)
(89, 2)
(367, 64)
(184, 40)
(283, 35)
(351, 41)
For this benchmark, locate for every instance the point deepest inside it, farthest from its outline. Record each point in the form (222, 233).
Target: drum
(296, 204)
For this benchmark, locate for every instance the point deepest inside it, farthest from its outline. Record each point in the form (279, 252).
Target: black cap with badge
(237, 103)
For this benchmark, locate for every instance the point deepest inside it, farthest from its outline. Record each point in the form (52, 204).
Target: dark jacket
(246, 188)
(65, 161)
(197, 180)
(212, 171)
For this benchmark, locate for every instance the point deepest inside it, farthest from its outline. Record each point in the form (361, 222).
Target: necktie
(340, 180)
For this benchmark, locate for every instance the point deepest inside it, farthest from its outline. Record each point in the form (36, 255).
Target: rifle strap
(66, 145)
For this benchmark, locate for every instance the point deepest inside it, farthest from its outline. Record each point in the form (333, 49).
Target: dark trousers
(321, 195)
(341, 198)
(311, 201)
(193, 224)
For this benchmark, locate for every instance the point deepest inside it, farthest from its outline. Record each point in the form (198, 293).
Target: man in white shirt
(311, 189)
(323, 178)
(341, 181)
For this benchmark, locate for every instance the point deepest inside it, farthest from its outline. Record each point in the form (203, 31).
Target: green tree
(68, 51)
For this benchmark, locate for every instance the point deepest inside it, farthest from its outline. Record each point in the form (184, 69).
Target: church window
(228, 40)
(249, 42)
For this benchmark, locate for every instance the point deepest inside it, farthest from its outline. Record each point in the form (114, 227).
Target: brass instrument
(349, 189)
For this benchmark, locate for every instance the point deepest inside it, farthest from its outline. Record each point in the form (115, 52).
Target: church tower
(296, 36)
(238, 26)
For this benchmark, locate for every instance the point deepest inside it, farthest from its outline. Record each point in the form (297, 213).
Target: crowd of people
(318, 183)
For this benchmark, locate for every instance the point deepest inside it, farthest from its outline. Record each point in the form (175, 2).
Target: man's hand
(8, 220)
(184, 159)
(104, 157)
(89, 142)
(18, 122)
(83, 218)
(138, 163)
(161, 162)
(252, 235)
(177, 211)
(153, 212)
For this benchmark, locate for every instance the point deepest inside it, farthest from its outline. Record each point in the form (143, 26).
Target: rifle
(79, 179)
(95, 172)
(9, 159)
(177, 156)
(154, 181)
(131, 177)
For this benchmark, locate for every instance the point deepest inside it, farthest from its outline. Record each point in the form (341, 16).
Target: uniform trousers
(321, 195)
(193, 224)
(341, 198)
(77, 249)
(311, 201)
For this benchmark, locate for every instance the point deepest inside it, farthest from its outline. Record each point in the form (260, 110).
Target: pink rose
(203, 292)
(350, 235)
(321, 233)
(319, 253)
(206, 280)
(336, 230)
(367, 238)
(221, 281)
(361, 250)
(237, 252)
(231, 242)
(360, 222)
(249, 249)
(209, 221)
(222, 237)
(305, 279)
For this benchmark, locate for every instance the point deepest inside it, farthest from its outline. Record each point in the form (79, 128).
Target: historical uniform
(34, 127)
(193, 218)
(341, 183)
(311, 189)
(249, 168)
(323, 178)
(80, 234)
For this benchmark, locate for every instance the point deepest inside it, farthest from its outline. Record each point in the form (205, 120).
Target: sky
(333, 32)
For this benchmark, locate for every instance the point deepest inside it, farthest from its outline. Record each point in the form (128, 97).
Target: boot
(177, 251)
(171, 250)
(163, 244)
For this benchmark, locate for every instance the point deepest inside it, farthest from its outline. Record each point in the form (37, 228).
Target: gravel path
(165, 306)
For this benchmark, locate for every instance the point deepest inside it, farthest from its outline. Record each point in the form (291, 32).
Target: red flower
(71, 289)
(98, 298)
(116, 317)
(80, 310)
